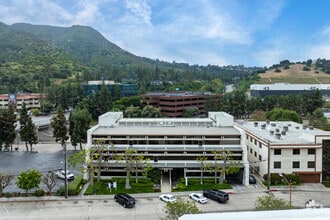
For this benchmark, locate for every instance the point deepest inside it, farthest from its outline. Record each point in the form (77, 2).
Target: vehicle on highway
(252, 180)
(198, 197)
(125, 200)
(167, 198)
(216, 195)
(61, 174)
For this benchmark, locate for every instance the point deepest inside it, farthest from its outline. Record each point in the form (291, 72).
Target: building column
(246, 174)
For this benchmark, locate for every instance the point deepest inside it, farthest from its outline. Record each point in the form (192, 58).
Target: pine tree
(79, 124)
(27, 129)
(8, 127)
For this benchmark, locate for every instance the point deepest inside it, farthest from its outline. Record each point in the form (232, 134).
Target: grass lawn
(101, 188)
(195, 185)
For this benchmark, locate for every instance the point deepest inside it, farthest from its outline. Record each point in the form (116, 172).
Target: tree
(267, 202)
(204, 165)
(150, 112)
(317, 120)
(132, 112)
(28, 179)
(134, 163)
(60, 133)
(50, 181)
(178, 208)
(59, 128)
(190, 112)
(80, 120)
(279, 114)
(227, 157)
(8, 127)
(27, 129)
(5, 180)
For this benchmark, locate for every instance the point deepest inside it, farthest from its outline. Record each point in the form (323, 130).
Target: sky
(216, 32)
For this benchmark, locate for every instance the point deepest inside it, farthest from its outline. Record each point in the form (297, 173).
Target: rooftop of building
(177, 94)
(21, 95)
(288, 86)
(280, 132)
(218, 123)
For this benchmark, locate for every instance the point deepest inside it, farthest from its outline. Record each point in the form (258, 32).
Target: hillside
(295, 75)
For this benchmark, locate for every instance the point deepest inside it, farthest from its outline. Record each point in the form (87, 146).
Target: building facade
(286, 147)
(172, 144)
(278, 89)
(31, 100)
(123, 90)
(174, 104)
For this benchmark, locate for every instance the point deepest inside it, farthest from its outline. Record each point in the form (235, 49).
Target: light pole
(290, 188)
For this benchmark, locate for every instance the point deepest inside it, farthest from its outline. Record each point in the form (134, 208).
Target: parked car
(125, 200)
(167, 198)
(252, 180)
(216, 195)
(61, 174)
(198, 197)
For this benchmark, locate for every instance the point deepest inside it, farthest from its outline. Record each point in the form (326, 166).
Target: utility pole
(65, 172)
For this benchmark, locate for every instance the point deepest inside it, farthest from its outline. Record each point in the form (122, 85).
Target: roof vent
(278, 135)
(283, 132)
(277, 130)
(297, 127)
(285, 128)
(271, 132)
(304, 127)
(263, 126)
(311, 127)
(255, 124)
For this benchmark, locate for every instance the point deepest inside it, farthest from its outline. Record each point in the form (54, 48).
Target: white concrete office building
(289, 147)
(172, 144)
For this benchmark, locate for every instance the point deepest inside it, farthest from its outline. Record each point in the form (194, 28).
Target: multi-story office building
(278, 89)
(31, 100)
(171, 144)
(287, 147)
(174, 104)
(123, 90)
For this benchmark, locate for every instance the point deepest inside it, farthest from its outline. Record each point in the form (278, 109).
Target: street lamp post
(290, 188)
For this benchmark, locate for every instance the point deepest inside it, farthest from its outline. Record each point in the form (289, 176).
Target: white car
(167, 198)
(198, 197)
(61, 174)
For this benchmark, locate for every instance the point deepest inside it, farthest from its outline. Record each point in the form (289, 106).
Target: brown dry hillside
(295, 75)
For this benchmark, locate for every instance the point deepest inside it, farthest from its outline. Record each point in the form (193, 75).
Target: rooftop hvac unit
(263, 126)
(278, 135)
(271, 132)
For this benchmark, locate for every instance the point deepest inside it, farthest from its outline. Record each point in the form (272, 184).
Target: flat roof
(288, 86)
(296, 133)
(298, 214)
(165, 130)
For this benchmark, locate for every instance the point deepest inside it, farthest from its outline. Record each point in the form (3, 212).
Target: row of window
(294, 151)
(295, 164)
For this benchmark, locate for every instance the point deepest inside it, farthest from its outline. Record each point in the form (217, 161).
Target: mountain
(35, 55)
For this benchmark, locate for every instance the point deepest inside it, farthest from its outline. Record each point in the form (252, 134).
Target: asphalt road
(148, 206)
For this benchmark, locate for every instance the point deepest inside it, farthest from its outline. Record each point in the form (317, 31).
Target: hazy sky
(219, 32)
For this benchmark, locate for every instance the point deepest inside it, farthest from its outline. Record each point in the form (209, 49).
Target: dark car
(125, 200)
(216, 195)
(252, 180)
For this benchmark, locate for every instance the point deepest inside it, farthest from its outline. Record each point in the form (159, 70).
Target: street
(147, 206)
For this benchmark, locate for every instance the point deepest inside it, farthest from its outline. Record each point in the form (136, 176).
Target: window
(311, 164)
(277, 151)
(255, 142)
(260, 145)
(311, 151)
(295, 164)
(260, 158)
(247, 137)
(251, 151)
(296, 151)
(277, 164)
(255, 154)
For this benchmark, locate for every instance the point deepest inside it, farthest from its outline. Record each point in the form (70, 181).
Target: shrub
(39, 192)
(75, 185)
(277, 70)
(306, 68)
(326, 184)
